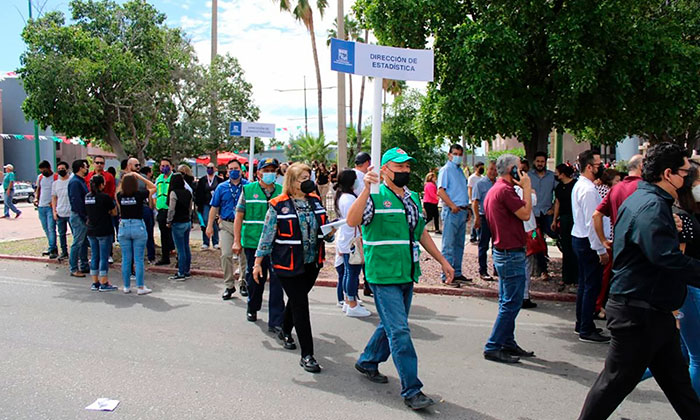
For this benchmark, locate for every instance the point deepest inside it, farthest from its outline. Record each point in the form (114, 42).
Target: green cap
(397, 155)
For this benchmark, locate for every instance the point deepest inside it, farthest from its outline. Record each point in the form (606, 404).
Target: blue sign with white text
(234, 128)
(342, 56)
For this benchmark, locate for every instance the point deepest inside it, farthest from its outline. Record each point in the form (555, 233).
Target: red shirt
(430, 193)
(617, 195)
(500, 206)
(110, 185)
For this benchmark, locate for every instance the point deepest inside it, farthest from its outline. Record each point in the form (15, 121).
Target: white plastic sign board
(251, 129)
(380, 61)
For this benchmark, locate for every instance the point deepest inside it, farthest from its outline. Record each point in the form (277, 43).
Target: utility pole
(37, 154)
(306, 113)
(212, 110)
(342, 128)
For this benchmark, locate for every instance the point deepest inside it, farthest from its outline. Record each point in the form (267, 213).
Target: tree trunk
(359, 117)
(319, 90)
(350, 84)
(538, 141)
(115, 143)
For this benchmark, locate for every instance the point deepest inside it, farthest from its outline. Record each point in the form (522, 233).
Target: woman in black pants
(430, 201)
(292, 237)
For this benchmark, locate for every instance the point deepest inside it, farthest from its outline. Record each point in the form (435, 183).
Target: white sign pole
(251, 162)
(377, 130)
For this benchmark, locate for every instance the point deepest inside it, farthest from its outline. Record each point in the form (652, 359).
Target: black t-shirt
(99, 221)
(132, 207)
(563, 193)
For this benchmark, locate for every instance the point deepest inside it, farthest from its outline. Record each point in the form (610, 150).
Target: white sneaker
(359, 302)
(357, 312)
(204, 246)
(345, 307)
(127, 290)
(110, 260)
(217, 246)
(144, 290)
(341, 303)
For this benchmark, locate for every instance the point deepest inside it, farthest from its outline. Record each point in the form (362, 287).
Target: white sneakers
(204, 246)
(144, 290)
(140, 290)
(356, 312)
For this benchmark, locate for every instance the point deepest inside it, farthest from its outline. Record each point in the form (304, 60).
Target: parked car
(23, 192)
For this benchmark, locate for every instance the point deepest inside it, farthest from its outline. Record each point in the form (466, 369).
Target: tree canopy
(599, 69)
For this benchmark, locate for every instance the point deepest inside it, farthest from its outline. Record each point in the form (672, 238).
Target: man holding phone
(505, 213)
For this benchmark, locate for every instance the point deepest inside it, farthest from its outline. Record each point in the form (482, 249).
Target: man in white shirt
(362, 162)
(60, 204)
(43, 203)
(471, 182)
(590, 252)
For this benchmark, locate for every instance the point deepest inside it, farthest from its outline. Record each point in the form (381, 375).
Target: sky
(273, 49)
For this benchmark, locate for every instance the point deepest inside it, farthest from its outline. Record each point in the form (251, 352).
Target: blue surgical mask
(210, 171)
(457, 160)
(165, 169)
(234, 174)
(269, 177)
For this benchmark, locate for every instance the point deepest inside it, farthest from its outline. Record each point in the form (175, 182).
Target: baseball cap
(397, 155)
(264, 163)
(361, 158)
(9, 165)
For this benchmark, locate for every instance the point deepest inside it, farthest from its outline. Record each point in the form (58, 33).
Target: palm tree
(395, 87)
(302, 11)
(307, 148)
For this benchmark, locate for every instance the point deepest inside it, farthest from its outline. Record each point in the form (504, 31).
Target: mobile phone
(515, 173)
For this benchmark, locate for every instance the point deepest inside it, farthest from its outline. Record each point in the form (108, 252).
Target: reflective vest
(387, 244)
(162, 185)
(255, 210)
(287, 256)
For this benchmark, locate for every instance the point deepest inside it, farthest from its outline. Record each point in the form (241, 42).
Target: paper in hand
(327, 228)
(103, 404)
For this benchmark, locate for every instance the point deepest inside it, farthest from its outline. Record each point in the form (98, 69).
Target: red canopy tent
(223, 158)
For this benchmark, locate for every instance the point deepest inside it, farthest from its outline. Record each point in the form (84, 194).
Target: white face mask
(696, 193)
(457, 160)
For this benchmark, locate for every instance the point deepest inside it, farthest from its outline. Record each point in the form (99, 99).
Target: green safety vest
(255, 210)
(386, 240)
(162, 186)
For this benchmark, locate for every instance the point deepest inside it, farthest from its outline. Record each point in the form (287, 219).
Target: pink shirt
(430, 193)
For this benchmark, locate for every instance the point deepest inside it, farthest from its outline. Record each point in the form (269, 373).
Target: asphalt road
(182, 353)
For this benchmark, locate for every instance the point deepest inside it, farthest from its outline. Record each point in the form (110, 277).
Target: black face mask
(401, 179)
(62, 172)
(481, 171)
(308, 186)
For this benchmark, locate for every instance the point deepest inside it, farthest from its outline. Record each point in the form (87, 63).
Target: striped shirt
(411, 210)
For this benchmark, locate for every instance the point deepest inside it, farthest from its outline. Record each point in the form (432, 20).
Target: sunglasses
(99, 163)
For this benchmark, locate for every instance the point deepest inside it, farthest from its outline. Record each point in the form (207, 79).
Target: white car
(23, 192)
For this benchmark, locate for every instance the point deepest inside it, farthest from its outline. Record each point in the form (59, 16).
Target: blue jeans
(78, 249)
(181, 237)
(484, 242)
(132, 240)
(351, 277)
(62, 225)
(149, 221)
(49, 226)
(205, 219)
(99, 261)
(393, 336)
(9, 205)
(340, 269)
(454, 231)
(511, 285)
(590, 277)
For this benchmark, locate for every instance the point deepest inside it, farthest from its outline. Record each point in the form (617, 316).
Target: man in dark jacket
(202, 196)
(650, 275)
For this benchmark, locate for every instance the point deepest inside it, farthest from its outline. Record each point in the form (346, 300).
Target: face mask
(457, 160)
(234, 174)
(62, 172)
(269, 177)
(481, 171)
(165, 170)
(210, 171)
(308, 186)
(696, 193)
(46, 173)
(401, 178)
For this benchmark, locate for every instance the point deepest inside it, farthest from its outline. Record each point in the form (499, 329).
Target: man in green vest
(247, 228)
(162, 186)
(392, 227)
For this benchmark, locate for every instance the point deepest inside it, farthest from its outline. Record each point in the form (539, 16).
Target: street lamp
(306, 115)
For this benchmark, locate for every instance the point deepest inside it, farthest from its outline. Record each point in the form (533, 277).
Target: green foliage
(307, 148)
(495, 154)
(602, 70)
(400, 130)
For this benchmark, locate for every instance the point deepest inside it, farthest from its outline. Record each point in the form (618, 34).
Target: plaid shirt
(411, 210)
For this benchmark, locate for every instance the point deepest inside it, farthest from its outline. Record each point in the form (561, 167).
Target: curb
(326, 282)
